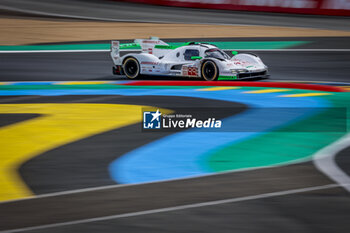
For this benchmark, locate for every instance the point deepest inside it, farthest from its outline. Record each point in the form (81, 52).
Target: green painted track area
(226, 45)
(290, 144)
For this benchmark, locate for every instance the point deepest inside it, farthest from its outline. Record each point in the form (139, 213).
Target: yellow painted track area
(305, 95)
(217, 88)
(266, 91)
(59, 124)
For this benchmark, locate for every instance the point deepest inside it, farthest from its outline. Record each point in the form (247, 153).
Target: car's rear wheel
(210, 71)
(131, 68)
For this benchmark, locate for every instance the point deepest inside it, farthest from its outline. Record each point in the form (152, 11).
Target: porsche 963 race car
(191, 59)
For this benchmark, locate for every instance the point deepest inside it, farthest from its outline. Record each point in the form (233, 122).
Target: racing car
(191, 59)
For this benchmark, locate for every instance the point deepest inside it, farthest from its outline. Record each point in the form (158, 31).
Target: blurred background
(73, 157)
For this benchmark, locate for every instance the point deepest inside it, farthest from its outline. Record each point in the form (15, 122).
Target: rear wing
(115, 51)
(152, 46)
(148, 45)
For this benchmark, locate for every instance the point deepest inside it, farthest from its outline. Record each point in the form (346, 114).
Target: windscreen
(217, 53)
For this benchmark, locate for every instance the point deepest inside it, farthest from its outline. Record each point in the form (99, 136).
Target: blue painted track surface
(182, 154)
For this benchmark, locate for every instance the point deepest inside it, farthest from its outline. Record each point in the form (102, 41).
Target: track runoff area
(74, 151)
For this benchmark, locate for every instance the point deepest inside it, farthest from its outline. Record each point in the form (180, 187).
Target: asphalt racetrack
(74, 158)
(320, 59)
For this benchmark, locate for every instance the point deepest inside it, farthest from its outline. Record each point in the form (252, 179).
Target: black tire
(131, 68)
(209, 71)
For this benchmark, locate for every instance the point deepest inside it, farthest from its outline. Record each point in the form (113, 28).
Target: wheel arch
(210, 59)
(129, 56)
(216, 64)
(127, 71)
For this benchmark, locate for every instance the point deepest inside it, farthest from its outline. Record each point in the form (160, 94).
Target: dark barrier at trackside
(314, 7)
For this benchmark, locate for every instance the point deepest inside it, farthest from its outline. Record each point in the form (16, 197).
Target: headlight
(239, 71)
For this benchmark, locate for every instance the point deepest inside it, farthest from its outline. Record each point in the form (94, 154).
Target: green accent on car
(188, 43)
(196, 58)
(164, 47)
(221, 77)
(130, 46)
(234, 53)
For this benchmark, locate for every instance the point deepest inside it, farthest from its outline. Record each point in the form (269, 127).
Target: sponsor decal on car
(242, 63)
(226, 73)
(190, 71)
(149, 63)
(151, 41)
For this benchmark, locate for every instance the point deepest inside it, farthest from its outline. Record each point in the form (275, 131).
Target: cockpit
(216, 53)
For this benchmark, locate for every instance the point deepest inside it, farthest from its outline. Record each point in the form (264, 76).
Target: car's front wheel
(210, 71)
(131, 68)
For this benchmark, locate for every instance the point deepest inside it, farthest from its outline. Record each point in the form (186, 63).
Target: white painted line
(293, 50)
(65, 51)
(55, 51)
(130, 50)
(114, 186)
(175, 208)
(324, 161)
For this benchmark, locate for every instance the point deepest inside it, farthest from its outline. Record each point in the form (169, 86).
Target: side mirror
(196, 58)
(234, 53)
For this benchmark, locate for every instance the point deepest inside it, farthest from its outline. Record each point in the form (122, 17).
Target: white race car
(192, 59)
